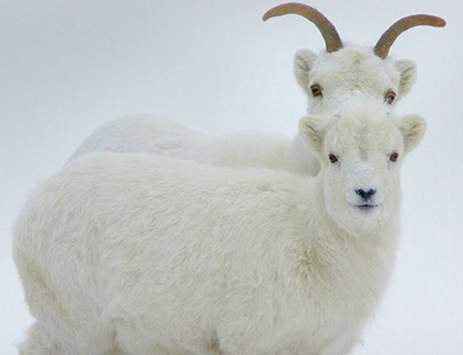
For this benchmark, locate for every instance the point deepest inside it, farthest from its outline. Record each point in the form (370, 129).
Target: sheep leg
(56, 332)
(345, 342)
(44, 339)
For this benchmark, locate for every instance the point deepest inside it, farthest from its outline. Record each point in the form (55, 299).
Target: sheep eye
(390, 97)
(394, 156)
(316, 90)
(333, 158)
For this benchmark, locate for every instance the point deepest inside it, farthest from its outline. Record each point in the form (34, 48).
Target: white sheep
(146, 254)
(342, 75)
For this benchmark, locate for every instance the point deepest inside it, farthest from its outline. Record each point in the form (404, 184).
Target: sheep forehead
(355, 67)
(362, 133)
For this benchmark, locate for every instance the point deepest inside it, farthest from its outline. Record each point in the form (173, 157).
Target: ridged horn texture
(328, 31)
(388, 38)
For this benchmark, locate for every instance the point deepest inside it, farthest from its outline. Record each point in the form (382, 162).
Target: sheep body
(139, 254)
(157, 135)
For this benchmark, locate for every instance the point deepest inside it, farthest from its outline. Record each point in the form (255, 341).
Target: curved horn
(329, 33)
(388, 38)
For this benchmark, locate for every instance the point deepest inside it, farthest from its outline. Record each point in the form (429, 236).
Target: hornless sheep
(342, 75)
(147, 254)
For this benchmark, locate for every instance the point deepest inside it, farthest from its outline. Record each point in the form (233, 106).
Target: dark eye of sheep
(316, 90)
(333, 158)
(394, 156)
(390, 97)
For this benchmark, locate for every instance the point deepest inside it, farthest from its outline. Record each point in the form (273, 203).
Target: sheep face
(360, 152)
(331, 79)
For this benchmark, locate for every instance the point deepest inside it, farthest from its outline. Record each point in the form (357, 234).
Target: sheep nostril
(365, 194)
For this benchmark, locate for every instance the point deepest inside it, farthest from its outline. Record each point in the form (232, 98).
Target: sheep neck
(337, 265)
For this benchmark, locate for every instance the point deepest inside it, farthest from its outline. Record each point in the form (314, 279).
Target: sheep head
(345, 70)
(360, 151)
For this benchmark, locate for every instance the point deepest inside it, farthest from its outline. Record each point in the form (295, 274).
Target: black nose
(365, 194)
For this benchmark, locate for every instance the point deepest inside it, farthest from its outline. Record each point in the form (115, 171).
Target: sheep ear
(413, 128)
(303, 62)
(313, 130)
(407, 70)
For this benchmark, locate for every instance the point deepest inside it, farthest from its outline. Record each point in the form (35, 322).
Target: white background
(67, 67)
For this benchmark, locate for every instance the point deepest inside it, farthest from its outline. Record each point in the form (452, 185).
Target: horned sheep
(147, 254)
(342, 75)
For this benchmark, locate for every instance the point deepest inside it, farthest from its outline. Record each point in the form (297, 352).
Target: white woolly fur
(146, 254)
(347, 77)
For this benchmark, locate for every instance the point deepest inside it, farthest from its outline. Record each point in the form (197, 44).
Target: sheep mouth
(365, 212)
(366, 207)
